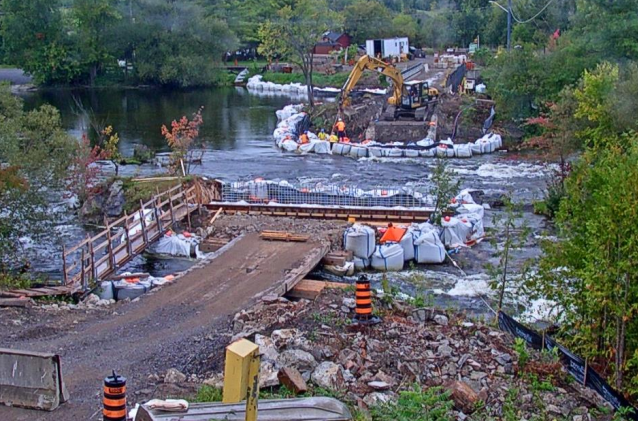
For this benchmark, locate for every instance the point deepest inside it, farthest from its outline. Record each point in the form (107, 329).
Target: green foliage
(14, 281)
(511, 405)
(445, 186)
(433, 404)
(208, 394)
(34, 152)
(520, 347)
(514, 235)
(136, 191)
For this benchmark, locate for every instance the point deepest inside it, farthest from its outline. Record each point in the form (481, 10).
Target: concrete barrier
(31, 380)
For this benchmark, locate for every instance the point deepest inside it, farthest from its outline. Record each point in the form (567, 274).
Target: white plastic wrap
(428, 247)
(360, 239)
(388, 257)
(455, 232)
(123, 289)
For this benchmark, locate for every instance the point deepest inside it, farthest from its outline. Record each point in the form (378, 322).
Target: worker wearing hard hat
(303, 139)
(322, 135)
(341, 129)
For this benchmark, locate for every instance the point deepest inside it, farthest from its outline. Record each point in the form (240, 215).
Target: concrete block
(31, 380)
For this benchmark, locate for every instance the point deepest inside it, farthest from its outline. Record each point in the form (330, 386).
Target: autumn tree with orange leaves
(182, 139)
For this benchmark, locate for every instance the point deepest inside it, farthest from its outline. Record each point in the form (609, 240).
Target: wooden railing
(99, 256)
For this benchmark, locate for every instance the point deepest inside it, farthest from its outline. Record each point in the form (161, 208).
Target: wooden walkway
(100, 256)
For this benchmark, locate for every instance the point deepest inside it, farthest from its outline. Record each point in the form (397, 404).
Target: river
(238, 145)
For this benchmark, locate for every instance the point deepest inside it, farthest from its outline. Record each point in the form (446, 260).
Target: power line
(524, 21)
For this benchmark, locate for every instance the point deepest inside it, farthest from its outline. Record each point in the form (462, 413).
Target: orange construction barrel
(114, 398)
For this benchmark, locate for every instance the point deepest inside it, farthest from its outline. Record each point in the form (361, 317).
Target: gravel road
(184, 325)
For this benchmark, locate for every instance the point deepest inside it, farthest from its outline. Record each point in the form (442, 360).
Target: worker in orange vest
(303, 139)
(341, 129)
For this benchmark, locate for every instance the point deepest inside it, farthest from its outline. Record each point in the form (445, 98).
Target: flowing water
(238, 145)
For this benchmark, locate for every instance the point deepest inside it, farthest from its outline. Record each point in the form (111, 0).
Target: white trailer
(384, 48)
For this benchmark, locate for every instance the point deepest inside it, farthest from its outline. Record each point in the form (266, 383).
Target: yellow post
(241, 376)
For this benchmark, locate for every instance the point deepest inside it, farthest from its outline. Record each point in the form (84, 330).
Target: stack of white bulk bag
(360, 263)
(388, 257)
(455, 231)
(428, 247)
(411, 153)
(463, 151)
(360, 239)
(341, 148)
(407, 244)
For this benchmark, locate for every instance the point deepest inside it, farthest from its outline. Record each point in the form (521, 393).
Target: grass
(318, 79)
(432, 404)
(135, 191)
(13, 281)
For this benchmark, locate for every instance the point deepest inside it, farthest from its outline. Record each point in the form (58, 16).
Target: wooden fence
(99, 256)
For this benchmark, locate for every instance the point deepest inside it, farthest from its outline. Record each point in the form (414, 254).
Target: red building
(332, 41)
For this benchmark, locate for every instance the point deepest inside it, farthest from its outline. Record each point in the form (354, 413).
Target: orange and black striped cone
(114, 398)
(363, 301)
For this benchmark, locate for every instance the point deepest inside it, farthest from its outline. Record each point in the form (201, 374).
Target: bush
(433, 404)
(13, 281)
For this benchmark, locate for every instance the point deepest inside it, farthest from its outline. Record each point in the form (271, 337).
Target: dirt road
(184, 325)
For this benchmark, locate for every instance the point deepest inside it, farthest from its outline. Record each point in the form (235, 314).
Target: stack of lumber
(210, 245)
(283, 236)
(310, 289)
(337, 258)
(10, 299)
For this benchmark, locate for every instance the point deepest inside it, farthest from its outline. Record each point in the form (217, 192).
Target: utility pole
(509, 24)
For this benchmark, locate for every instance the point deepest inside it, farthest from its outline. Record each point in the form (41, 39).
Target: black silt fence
(574, 364)
(456, 78)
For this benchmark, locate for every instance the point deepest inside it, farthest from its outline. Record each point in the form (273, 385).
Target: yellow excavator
(409, 99)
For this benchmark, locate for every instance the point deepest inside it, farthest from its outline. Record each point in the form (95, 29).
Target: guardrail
(410, 72)
(101, 255)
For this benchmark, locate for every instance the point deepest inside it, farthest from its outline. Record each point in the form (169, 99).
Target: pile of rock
(314, 342)
(91, 302)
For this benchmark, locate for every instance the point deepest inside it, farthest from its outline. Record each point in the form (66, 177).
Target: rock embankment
(314, 342)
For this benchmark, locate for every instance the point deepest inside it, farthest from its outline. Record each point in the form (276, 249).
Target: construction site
(334, 275)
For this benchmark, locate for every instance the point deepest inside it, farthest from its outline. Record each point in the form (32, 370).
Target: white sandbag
(360, 263)
(322, 147)
(445, 151)
(407, 244)
(429, 153)
(476, 148)
(478, 230)
(123, 289)
(289, 145)
(388, 257)
(411, 153)
(341, 148)
(496, 140)
(360, 239)
(173, 245)
(425, 142)
(106, 290)
(306, 147)
(358, 151)
(428, 247)
(375, 152)
(395, 153)
(464, 197)
(455, 232)
(467, 208)
(463, 151)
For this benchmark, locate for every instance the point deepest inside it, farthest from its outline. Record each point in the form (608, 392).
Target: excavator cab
(414, 95)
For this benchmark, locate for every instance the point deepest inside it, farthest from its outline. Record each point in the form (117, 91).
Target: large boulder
(301, 360)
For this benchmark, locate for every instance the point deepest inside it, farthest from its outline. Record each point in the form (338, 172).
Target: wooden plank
(307, 290)
(283, 236)
(15, 302)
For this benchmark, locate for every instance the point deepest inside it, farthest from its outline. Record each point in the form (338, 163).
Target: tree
(34, 152)
(445, 186)
(93, 18)
(181, 139)
(367, 19)
(300, 25)
(33, 39)
(405, 26)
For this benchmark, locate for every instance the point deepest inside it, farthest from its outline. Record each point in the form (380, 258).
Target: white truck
(389, 47)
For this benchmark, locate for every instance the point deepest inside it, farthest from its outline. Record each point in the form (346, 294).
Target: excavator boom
(370, 63)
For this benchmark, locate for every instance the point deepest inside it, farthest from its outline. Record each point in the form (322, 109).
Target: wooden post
(586, 371)
(143, 223)
(160, 228)
(82, 277)
(129, 246)
(108, 237)
(65, 276)
(92, 256)
(543, 341)
(241, 376)
(170, 205)
(188, 214)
